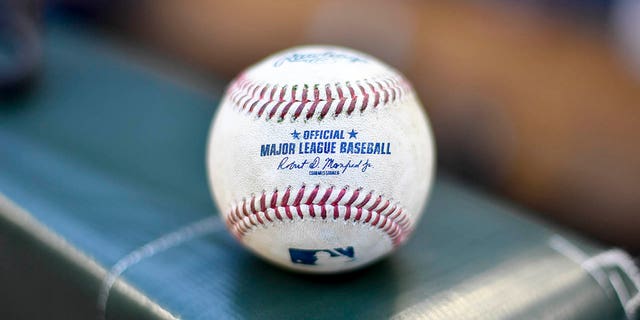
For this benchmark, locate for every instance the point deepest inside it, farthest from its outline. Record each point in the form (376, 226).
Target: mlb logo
(321, 256)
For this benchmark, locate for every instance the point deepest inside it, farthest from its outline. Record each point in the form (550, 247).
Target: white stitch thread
(205, 226)
(607, 280)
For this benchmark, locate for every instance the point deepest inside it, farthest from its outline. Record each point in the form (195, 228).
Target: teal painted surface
(110, 157)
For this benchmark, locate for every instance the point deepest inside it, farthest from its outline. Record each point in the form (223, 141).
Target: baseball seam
(337, 204)
(304, 101)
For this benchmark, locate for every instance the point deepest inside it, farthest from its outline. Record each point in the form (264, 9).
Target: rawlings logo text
(324, 57)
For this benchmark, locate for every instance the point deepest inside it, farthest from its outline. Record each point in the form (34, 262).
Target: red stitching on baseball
(340, 195)
(286, 108)
(316, 97)
(327, 104)
(353, 198)
(342, 100)
(313, 194)
(375, 204)
(244, 216)
(352, 105)
(366, 98)
(296, 202)
(263, 98)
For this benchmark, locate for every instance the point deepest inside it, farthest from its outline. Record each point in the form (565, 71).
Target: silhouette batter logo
(321, 256)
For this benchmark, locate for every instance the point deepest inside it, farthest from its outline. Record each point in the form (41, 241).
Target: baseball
(320, 159)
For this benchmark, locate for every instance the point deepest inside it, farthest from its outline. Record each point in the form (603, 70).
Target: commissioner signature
(324, 164)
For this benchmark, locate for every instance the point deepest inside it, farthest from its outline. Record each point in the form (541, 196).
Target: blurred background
(536, 100)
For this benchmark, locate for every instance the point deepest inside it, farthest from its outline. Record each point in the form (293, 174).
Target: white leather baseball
(320, 159)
